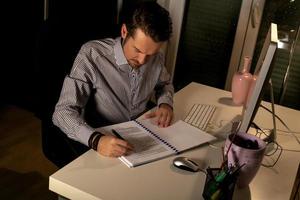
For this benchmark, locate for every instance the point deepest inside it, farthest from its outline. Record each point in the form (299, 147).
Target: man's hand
(113, 147)
(164, 115)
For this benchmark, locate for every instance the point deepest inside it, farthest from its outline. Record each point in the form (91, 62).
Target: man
(120, 75)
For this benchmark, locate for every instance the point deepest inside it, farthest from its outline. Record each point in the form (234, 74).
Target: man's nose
(142, 58)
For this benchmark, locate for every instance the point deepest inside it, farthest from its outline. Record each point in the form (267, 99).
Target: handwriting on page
(143, 144)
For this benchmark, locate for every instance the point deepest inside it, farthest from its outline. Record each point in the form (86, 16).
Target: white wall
(176, 10)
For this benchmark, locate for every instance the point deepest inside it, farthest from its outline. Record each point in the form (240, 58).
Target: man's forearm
(72, 124)
(68, 111)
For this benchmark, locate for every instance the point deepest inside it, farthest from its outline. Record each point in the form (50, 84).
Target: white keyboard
(200, 115)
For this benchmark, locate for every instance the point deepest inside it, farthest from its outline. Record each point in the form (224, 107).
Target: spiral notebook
(153, 143)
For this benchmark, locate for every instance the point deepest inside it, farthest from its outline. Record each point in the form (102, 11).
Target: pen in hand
(120, 137)
(117, 134)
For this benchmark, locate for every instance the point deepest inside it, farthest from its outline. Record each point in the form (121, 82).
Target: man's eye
(136, 50)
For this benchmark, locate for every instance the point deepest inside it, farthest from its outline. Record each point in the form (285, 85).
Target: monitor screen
(261, 76)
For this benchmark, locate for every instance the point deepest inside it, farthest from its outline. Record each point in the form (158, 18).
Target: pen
(117, 134)
(209, 172)
(236, 170)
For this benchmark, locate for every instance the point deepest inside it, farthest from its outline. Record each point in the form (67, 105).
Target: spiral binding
(156, 136)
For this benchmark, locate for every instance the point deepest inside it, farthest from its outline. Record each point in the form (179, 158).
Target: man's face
(139, 47)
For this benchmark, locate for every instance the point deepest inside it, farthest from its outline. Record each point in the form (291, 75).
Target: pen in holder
(220, 183)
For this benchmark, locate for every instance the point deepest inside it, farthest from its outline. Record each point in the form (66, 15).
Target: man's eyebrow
(137, 49)
(142, 52)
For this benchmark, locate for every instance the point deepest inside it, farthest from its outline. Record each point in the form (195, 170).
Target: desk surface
(92, 176)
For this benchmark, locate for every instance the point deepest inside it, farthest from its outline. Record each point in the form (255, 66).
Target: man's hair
(152, 19)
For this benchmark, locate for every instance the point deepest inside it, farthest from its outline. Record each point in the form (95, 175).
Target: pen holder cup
(218, 190)
(247, 150)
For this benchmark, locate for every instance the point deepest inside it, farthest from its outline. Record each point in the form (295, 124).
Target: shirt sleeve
(164, 87)
(76, 90)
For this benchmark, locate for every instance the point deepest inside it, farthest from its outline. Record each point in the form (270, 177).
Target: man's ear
(124, 31)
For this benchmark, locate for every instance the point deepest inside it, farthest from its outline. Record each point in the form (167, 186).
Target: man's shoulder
(160, 55)
(159, 59)
(102, 47)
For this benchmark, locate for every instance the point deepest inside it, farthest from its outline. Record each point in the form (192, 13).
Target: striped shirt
(101, 71)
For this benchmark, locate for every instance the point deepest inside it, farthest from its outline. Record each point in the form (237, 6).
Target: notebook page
(180, 134)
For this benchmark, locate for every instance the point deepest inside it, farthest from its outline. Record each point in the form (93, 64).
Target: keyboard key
(200, 115)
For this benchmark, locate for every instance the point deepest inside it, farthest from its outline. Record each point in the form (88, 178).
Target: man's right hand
(113, 147)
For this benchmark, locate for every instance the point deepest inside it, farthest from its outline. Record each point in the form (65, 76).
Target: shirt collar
(119, 54)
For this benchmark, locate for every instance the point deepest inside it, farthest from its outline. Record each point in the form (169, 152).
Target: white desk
(92, 176)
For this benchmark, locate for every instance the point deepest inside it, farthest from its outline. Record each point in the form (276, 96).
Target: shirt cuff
(85, 133)
(166, 99)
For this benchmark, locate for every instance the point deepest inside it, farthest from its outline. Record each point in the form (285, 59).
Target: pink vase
(240, 83)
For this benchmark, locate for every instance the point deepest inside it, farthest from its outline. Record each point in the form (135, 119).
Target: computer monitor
(262, 74)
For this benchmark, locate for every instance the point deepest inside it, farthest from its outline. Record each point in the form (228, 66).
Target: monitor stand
(272, 136)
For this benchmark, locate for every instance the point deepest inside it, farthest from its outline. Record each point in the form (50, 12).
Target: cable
(297, 139)
(278, 147)
(292, 150)
(295, 132)
(222, 123)
(279, 131)
(269, 142)
(254, 125)
(261, 131)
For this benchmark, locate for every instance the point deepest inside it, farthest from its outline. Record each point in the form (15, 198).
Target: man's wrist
(165, 104)
(94, 140)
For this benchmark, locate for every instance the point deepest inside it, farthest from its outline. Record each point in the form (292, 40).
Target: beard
(133, 63)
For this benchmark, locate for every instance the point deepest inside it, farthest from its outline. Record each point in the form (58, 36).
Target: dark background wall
(22, 21)
(39, 53)
(206, 42)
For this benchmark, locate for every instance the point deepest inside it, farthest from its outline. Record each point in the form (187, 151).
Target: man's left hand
(164, 115)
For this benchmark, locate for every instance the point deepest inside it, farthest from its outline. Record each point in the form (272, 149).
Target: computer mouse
(185, 164)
